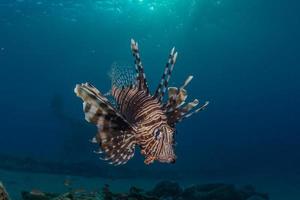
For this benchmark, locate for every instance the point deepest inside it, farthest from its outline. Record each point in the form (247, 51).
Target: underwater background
(244, 56)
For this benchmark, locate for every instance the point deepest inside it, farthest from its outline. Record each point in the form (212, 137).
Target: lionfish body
(139, 118)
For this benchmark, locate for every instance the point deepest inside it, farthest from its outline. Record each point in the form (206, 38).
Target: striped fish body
(147, 116)
(138, 118)
(137, 106)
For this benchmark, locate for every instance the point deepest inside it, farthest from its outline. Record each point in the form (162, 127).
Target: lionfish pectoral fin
(119, 146)
(140, 74)
(115, 135)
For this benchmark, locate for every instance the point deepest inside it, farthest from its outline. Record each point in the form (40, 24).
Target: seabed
(41, 186)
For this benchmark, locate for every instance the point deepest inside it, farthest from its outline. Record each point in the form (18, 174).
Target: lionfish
(138, 118)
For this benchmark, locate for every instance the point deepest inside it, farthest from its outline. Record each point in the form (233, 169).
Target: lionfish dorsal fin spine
(140, 74)
(161, 88)
(176, 108)
(187, 114)
(197, 110)
(177, 96)
(187, 81)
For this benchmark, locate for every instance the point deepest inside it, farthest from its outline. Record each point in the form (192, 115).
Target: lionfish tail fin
(115, 136)
(140, 74)
(161, 88)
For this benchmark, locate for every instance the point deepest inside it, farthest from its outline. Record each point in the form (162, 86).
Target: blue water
(244, 56)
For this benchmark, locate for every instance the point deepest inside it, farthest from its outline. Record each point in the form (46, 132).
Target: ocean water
(245, 59)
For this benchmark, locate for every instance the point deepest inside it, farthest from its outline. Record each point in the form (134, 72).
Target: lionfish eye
(157, 134)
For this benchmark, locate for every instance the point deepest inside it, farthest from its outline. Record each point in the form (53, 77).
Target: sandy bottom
(284, 188)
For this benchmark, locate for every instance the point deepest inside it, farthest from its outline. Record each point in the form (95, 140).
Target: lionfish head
(165, 149)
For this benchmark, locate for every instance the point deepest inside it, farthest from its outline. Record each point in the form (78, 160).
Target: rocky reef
(165, 190)
(217, 191)
(3, 193)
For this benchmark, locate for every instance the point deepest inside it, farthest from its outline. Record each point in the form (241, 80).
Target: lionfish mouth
(167, 159)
